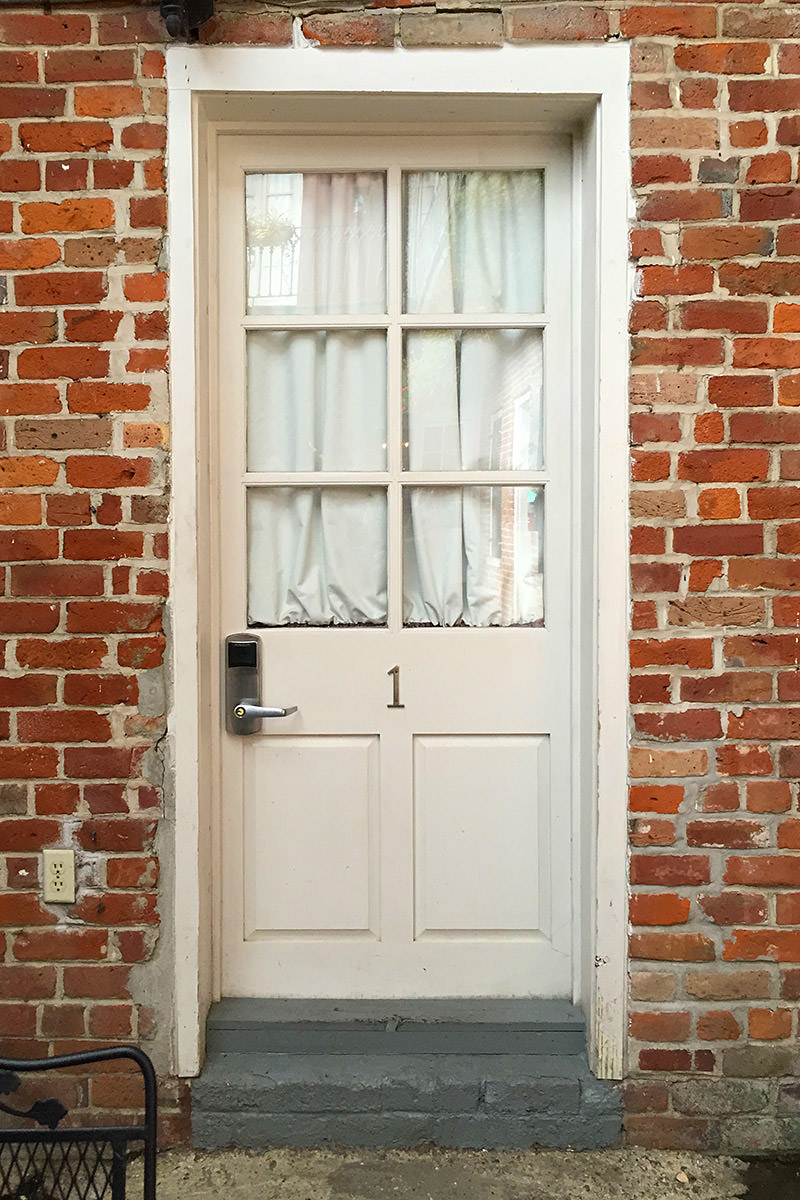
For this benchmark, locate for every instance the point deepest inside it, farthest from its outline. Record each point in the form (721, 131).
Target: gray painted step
(395, 1026)
(463, 1100)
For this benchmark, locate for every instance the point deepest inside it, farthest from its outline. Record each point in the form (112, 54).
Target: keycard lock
(243, 709)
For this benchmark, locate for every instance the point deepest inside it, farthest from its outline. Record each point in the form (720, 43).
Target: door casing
(582, 89)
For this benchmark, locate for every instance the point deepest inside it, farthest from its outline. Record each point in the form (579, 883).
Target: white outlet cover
(58, 876)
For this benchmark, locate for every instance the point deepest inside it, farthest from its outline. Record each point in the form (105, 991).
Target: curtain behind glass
(474, 243)
(317, 401)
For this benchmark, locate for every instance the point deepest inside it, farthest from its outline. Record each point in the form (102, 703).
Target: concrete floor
(450, 1175)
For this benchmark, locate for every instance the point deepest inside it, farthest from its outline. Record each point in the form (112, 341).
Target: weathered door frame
(580, 89)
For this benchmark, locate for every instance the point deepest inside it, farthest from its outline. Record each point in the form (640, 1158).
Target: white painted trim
(595, 76)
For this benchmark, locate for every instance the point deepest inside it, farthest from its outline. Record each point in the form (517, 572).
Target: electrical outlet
(59, 876)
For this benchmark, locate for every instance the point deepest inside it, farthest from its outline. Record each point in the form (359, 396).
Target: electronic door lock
(243, 709)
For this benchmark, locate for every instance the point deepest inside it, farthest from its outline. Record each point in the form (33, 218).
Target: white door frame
(582, 89)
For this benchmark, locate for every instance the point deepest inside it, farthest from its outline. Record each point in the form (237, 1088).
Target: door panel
(394, 524)
(480, 808)
(310, 854)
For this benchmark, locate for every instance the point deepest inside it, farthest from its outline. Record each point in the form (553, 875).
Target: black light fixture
(183, 18)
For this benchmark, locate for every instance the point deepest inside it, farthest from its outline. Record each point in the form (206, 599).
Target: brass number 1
(395, 674)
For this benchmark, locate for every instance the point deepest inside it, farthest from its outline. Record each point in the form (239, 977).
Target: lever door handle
(254, 712)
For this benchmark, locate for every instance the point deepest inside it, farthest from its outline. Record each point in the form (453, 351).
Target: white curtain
(317, 402)
(472, 556)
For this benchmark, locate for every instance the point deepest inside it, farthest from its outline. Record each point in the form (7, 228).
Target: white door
(394, 432)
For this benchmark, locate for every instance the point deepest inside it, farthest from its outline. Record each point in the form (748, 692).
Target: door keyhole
(395, 674)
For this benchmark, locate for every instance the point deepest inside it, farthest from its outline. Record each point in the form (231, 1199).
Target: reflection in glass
(316, 556)
(473, 400)
(474, 241)
(316, 400)
(473, 556)
(316, 242)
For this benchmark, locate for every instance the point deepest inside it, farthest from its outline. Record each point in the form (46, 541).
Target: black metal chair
(49, 1163)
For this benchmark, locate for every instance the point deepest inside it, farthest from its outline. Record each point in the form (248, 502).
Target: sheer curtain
(317, 402)
(474, 245)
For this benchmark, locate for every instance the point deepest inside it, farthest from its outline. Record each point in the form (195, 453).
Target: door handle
(247, 711)
(244, 711)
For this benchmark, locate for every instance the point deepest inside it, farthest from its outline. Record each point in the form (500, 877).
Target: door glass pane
(473, 556)
(316, 556)
(473, 400)
(473, 241)
(316, 400)
(316, 242)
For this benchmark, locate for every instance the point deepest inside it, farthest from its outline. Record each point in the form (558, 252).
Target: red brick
(768, 795)
(64, 362)
(763, 95)
(96, 616)
(19, 175)
(765, 870)
(691, 21)
(57, 799)
(750, 945)
(663, 1060)
(659, 1026)
(103, 470)
(723, 466)
(17, 66)
(690, 652)
(766, 352)
(767, 278)
(649, 831)
(61, 945)
(110, 174)
(695, 725)
(735, 908)
(20, 509)
(63, 725)
(670, 870)
(248, 29)
(71, 509)
(144, 136)
(117, 834)
(69, 174)
(682, 205)
(32, 102)
(718, 539)
(659, 909)
(723, 58)
(716, 1026)
(65, 287)
(672, 947)
(25, 254)
(66, 137)
(108, 102)
(56, 580)
(655, 798)
(787, 906)
(740, 391)
(24, 544)
(91, 325)
(744, 760)
(731, 687)
(141, 653)
(22, 616)
(107, 398)
(736, 316)
(24, 836)
(27, 983)
(70, 216)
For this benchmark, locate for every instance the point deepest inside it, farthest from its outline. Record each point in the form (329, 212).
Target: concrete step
(400, 1026)
(465, 1100)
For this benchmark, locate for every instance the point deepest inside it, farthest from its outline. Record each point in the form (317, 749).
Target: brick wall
(715, 566)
